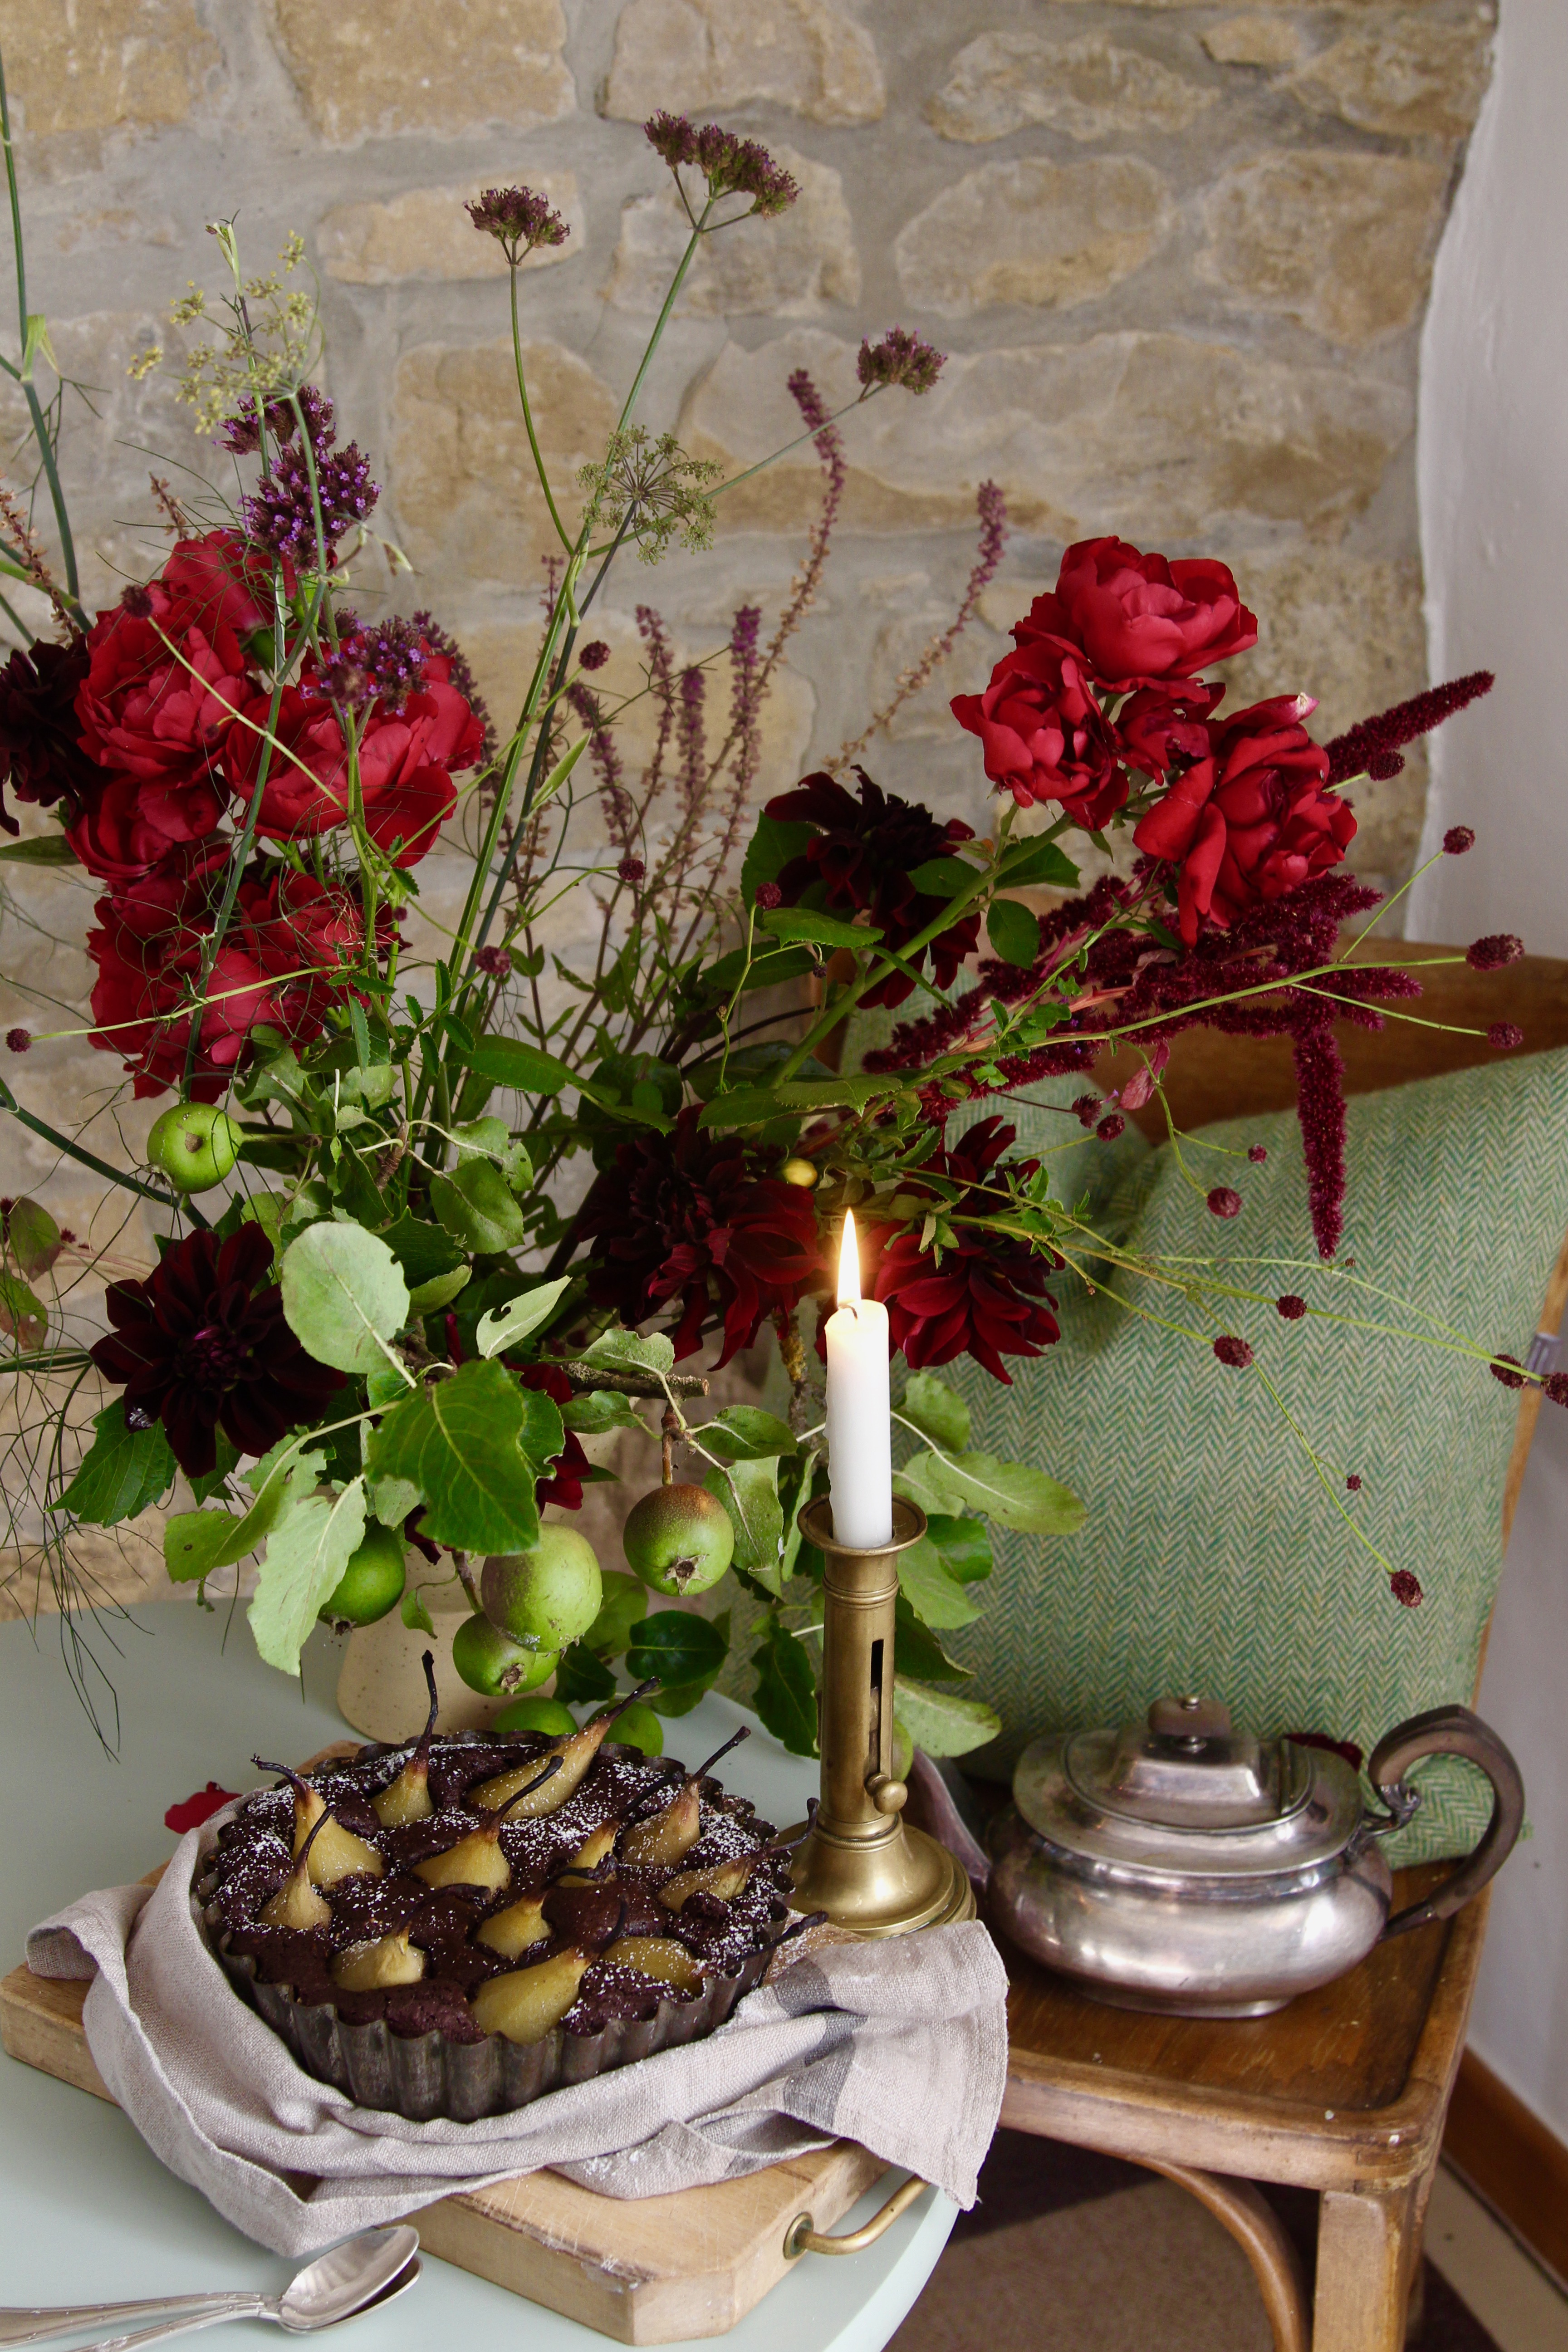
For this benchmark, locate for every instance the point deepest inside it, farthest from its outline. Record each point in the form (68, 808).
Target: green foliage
(743, 1432)
(1034, 865)
(306, 1557)
(414, 1612)
(23, 1314)
(45, 849)
(797, 924)
(507, 1062)
(964, 1544)
(503, 1327)
(942, 1723)
(786, 1689)
(803, 1098)
(422, 1251)
(627, 1351)
(343, 1295)
(198, 1543)
(685, 1651)
(1012, 1493)
(944, 878)
(598, 1411)
(936, 1596)
(476, 1205)
(937, 1411)
(121, 1472)
(473, 1446)
(581, 1678)
(1014, 931)
(917, 1651)
(749, 1491)
(429, 1297)
(769, 851)
(623, 1605)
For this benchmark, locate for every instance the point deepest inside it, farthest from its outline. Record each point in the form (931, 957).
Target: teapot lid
(1185, 1793)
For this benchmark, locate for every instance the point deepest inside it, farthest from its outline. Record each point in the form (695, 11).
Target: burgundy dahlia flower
(201, 1345)
(862, 855)
(40, 751)
(694, 1217)
(987, 1296)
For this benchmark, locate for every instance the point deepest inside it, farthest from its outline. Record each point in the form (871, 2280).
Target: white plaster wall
(1493, 473)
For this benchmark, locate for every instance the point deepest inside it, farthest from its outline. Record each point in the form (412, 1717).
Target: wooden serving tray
(647, 2270)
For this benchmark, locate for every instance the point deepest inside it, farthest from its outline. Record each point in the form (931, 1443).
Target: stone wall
(1179, 254)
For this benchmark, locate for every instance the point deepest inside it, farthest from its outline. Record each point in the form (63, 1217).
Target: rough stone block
(1089, 87)
(693, 56)
(365, 69)
(1408, 77)
(1051, 234)
(790, 267)
(425, 233)
(1164, 433)
(1342, 242)
(104, 65)
(463, 487)
(1265, 38)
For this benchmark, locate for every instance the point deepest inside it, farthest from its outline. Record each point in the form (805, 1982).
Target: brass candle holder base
(861, 1862)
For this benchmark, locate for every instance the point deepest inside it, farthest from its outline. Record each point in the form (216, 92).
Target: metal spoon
(363, 2270)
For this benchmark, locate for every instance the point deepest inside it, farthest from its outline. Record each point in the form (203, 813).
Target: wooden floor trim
(1512, 2158)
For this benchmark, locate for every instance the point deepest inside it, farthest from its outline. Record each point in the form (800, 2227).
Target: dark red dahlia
(862, 855)
(696, 1217)
(201, 1345)
(987, 1295)
(40, 753)
(571, 1465)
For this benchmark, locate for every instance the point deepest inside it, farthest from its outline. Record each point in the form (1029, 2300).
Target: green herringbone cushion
(1212, 1558)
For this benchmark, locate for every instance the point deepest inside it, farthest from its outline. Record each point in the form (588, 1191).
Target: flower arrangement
(482, 1206)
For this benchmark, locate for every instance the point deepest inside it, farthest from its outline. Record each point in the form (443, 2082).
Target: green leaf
(429, 1297)
(937, 1411)
(931, 1591)
(305, 1561)
(600, 1410)
(581, 1677)
(623, 1605)
(392, 1499)
(503, 1327)
(122, 1471)
(944, 878)
(743, 1432)
(625, 1351)
(769, 851)
(23, 1314)
(755, 1106)
(422, 1250)
(1008, 1492)
(476, 1205)
(804, 923)
(1029, 864)
(46, 849)
(1015, 933)
(474, 1446)
(215, 1480)
(939, 1723)
(917, 1651)
(678, 1647)
(197, 1543)
(415, 1614)
(794, 1491)
(786, 1690)
(750, 1493)
(508, 1061)
(343, 1295)
(32, 1237)
(964, 1544)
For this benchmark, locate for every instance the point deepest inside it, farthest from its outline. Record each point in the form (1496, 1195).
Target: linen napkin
(900, 2044)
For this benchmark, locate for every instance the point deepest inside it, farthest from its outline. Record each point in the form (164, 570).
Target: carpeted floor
(1068, 2251)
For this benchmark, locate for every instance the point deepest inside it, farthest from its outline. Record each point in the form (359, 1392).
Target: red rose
(1160, 724)
(227, 582)
(128, 826)
(1044, 736)
(405, 758)
(155, 713)
(1138, 618)
(1252, 820)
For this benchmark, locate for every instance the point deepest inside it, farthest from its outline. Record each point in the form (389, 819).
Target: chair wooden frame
(1346, 2091)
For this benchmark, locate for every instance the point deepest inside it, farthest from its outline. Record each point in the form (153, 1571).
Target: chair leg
(1257, 2229)
(1364, 2242)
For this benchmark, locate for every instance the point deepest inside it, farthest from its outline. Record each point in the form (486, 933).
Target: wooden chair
(1346, 2091)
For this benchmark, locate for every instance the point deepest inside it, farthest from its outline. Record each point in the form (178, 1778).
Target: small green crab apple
(195, 1145)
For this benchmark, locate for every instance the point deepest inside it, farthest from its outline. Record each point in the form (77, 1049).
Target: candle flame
(849, 1264)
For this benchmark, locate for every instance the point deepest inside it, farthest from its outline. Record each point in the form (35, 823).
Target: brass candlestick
(861, 1862)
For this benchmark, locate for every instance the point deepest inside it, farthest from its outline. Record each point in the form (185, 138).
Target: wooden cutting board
(649, 2269)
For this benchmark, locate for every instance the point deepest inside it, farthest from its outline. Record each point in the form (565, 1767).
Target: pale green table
(87, 2212)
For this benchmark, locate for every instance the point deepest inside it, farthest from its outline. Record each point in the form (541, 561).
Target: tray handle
(803, 2237)
(1451, 1731)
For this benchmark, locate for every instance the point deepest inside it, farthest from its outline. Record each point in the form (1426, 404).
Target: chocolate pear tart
(453, 1927)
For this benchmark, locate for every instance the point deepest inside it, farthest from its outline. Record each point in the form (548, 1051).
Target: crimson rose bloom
(1161, 724)
(988, 1293)
(147, 713)
(1043, 735)
(1139, 619)
(406, 758)
(1252, 820)
(692, 1215)
(861, 858)
(126, 826)
(149, 955)
(199, 1347)
(39, 754)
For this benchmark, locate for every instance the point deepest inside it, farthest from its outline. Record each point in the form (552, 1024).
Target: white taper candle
(859, 1416)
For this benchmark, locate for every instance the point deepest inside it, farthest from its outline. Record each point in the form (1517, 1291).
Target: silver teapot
(1186, 1866)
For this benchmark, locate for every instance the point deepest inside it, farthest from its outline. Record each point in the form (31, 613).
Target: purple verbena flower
(459, 673)
(278, 513)
(517, 219)
(902, 357)
(385, 664)
(731, 166)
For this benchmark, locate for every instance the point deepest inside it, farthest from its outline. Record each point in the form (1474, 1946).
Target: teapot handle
(1451, 1731)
